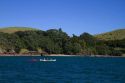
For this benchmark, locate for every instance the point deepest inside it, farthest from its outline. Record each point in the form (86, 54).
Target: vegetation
(15, 29)
(113, 35)
(55, 41)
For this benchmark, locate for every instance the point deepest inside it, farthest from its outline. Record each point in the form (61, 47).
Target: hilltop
(15, 29)
(113, 35)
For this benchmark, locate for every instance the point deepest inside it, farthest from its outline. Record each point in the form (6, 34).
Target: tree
(89, 39)
(76, 48)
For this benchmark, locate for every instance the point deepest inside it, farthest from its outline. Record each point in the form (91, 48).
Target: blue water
(64, 70)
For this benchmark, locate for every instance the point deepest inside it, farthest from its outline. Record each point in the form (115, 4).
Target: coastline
(19, 55)
(58, 55)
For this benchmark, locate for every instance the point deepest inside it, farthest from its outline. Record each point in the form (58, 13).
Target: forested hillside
(56, 41)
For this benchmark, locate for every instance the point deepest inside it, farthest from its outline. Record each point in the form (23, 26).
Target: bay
(66, 69)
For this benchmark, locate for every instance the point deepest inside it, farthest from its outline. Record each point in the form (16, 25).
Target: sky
(73, 16)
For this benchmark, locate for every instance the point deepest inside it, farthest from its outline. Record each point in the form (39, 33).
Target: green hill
(15, 29)
(113, 35)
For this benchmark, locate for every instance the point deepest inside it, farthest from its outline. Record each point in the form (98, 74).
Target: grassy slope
(113, 35)
(15, 29)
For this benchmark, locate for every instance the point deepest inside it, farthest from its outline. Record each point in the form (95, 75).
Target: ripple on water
(64, 70)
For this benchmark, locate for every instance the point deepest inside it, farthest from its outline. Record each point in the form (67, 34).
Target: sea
(66, 69)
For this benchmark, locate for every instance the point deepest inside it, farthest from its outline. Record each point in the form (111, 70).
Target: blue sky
(73, 16)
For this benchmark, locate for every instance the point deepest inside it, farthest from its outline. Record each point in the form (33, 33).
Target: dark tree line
(55, 41)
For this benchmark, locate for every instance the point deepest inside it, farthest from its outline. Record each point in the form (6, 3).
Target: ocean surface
(64, 70)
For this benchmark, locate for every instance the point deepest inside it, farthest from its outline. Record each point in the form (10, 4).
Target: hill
(113, 35)
(55, 41)
(15, 29)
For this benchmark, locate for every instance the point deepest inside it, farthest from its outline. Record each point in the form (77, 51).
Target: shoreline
(58, 55)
